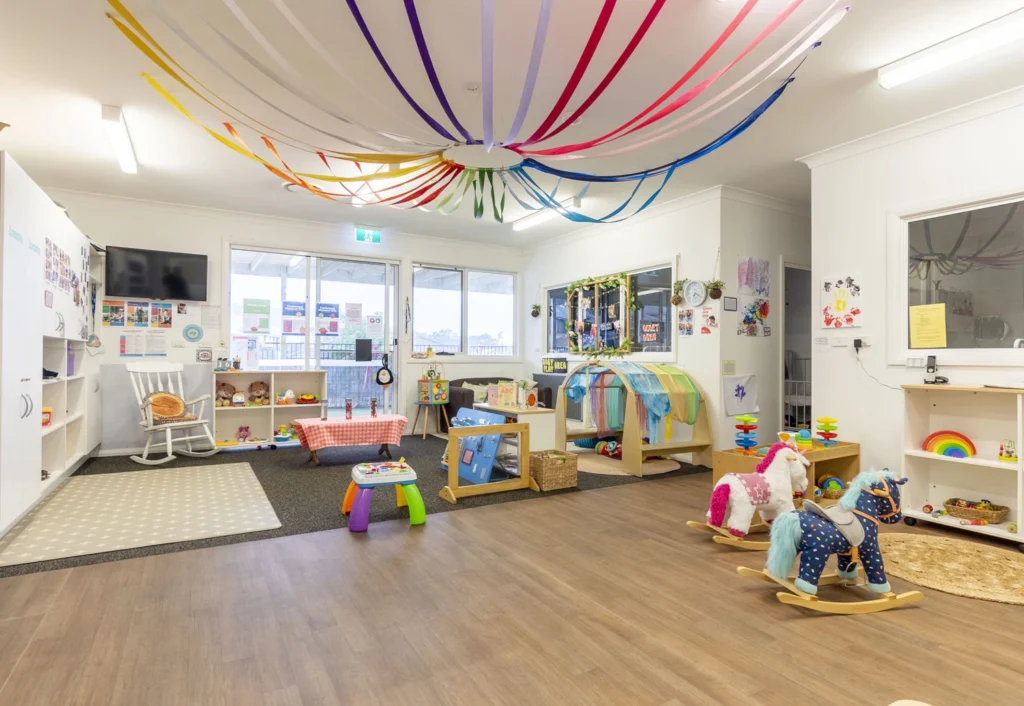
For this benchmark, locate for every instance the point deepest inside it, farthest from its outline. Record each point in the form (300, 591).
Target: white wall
(772, 230)
(959, 157)
(145, 224)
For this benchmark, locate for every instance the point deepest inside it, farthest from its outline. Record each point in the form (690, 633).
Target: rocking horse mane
(769, 457)
(863, 481)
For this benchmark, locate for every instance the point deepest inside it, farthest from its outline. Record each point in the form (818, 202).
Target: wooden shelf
(53, 381)
(75, 377)
(990, 530)
(963, 388)
(241, 409)
(74, 417)
(970, 461)
(52, 427)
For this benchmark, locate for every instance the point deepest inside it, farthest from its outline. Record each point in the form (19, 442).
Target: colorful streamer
(531, 74)
(487, 68)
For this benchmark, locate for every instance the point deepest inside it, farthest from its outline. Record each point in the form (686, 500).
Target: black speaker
(364, 349)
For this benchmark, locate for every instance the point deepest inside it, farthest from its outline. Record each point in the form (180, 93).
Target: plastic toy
(238, 399)
(804, 441)
(225, 392)
(980, 523)
(1012, 528)
(849, 530)
(242, 435)
(831, 483)
(827, 430)
(762, 450)
(304, 399)
(283, 434)
(366, 477)
(928, 508)
(259, 394)
(1008, 450)
(746, 437)
(610, 448)
(287, 397)
(769, 491)
(949, 443)
(817, 492)
(47, 416)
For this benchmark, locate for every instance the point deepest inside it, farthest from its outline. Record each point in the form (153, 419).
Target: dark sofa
(459, 398)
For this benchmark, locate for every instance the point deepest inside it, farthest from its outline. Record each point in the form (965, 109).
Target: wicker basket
(553, 470)
(832, 494)
(994, 516)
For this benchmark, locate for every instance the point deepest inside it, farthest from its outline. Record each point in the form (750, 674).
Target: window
(652, 318)
(558, 314)
(441, 295)
(970, 264)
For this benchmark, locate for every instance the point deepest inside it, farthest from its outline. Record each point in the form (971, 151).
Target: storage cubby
(75, 439)
(55, 354)
(264, 420)
(54, 397)
(986, 416)
(54, 459)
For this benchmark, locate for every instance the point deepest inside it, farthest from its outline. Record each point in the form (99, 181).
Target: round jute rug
(956, 566)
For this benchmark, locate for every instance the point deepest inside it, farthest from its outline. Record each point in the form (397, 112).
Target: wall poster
(327, 322)
(754, 277)
(841, 302)
(256, 316)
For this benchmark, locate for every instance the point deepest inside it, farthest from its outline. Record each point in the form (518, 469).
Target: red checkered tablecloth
(316, 434)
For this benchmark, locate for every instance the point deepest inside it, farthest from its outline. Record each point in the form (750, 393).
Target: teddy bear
(259, 393)
(224, 393)
(243, 434)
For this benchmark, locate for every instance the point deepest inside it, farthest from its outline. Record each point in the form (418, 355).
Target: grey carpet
(308, 498)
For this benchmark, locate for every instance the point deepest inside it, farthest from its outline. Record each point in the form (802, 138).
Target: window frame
(668, 356)
(464, 341)
(898, 349)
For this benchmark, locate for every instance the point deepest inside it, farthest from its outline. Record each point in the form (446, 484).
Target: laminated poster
(255, 316)
(113, 312)
(138, 314)
(353, 314)
(293, 318)
(327, 322)
(161, 315)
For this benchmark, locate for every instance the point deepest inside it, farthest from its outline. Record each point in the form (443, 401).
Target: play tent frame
(633, 449)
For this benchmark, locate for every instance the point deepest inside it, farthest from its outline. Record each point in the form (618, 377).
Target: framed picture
(730, 303)
(204, 355)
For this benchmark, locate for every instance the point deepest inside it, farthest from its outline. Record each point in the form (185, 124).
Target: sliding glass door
(304, 312)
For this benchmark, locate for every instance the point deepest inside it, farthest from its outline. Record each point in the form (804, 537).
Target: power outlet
(865, 341)
(915, 362)
(840, 342)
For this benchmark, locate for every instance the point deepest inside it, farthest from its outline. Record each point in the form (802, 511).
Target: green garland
(618, 281)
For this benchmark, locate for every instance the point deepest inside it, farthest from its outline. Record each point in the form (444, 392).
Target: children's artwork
(255, 316)
(161, 315)
(686, 322)
(138, 314)
(740, 394)
(753, 316)
(327, 323)
(293, 318)
(709, 321)
(840, 302)
(113, 313)
(754, 277)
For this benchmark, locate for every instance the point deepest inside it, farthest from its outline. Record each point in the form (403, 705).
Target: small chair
(150, 378)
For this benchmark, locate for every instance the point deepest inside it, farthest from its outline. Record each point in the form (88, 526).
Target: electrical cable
(861, 364)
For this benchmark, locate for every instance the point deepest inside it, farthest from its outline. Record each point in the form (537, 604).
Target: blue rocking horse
(848, 529)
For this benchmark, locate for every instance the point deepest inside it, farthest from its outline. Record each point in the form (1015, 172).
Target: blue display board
(477, 453)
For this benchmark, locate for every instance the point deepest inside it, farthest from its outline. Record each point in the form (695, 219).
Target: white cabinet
(42, 319)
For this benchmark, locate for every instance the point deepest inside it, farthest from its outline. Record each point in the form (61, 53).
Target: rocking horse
(849, 530)
(768, 491)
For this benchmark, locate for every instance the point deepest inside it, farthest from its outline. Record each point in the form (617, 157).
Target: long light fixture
(117, 133)
(546, 215)
(992, 35)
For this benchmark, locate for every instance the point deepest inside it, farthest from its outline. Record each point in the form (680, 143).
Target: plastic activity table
(366, 477)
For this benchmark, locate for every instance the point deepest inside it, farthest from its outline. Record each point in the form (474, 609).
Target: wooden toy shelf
(986, 416)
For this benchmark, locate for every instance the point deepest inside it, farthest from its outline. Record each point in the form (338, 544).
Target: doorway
(796, 358)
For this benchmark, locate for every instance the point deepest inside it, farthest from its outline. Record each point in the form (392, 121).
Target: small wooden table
(439, 409)
(384, 429)
(540, 420)
(841, 461)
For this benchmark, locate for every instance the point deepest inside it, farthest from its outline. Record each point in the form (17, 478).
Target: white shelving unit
(264, 420)
(986, 416)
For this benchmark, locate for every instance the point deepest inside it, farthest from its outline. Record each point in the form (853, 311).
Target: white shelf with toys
(962, 443)
(261, 402)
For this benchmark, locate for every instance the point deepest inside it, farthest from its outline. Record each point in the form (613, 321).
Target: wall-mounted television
(155, 274)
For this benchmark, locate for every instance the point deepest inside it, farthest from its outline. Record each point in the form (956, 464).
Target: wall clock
(695, 292)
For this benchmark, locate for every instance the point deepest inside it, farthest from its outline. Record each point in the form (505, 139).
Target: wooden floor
(602, 597)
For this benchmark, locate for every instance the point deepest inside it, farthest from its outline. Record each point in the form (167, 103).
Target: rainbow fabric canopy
(949, 443)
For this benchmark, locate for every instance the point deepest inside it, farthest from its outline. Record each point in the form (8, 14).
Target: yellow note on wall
(928, 326)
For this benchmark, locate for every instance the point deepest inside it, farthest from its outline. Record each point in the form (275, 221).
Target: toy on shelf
(305, 399)
(974, 522)
(928, 509)
(949, 443)
(769, 491)
(1008, 451)
(746, 437)
(1011, 528)
(238, 399)
(831, 487)
(976, 510)
(283, 434)
(47, 416)
(236, 364)
(287, 397)
(225, 391)
(242, 435)
(259, 394)
(827, 430)
(804, 441)
(849, 530)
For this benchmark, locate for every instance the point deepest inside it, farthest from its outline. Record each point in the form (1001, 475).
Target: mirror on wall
(599, 322)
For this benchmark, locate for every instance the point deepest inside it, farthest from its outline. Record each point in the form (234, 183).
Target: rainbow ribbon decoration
(420, 173)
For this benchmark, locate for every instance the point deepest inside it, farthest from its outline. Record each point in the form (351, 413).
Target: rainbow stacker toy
(827, 430)
(804, 441)
(746, 437)
(949, 443)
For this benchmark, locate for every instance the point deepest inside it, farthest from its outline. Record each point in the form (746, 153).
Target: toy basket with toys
(980, 510)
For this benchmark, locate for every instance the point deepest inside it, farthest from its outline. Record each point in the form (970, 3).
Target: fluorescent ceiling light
(117, 133)
(999, 32)
(545, 215)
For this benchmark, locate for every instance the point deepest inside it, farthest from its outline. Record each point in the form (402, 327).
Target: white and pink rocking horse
(767, 491)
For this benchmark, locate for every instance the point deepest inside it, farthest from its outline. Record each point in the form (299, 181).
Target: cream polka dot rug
(106, 512)
(969, 569)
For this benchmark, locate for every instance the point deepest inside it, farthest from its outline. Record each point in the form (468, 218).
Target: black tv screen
(155, 274)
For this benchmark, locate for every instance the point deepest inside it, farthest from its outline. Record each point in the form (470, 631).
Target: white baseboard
(137, 451)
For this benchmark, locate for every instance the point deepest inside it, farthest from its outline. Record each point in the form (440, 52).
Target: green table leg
(417, 512)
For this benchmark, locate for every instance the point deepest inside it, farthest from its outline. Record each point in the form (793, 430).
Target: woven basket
(996, 515)
(553, 470)
(832, 494)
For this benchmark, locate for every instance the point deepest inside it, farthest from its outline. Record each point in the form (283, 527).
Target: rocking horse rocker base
(885, 601)
(722, 536)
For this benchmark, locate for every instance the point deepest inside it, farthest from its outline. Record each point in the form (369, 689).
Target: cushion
(479, 391)
(173, 420)
(165, 405)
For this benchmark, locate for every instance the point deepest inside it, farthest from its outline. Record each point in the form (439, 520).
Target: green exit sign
(367, 235)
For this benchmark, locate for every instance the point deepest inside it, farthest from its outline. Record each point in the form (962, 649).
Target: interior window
(972, 264)
(558, 314)
(437, 310)
(490, 307)
(652, 319)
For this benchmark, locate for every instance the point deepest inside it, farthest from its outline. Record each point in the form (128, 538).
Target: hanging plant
(535, 311)
(715, 287)
(677, 291)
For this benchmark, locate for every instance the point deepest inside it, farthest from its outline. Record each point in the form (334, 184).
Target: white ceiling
(62, 59)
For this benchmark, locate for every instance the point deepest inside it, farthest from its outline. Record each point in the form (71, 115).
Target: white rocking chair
(148, 378)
